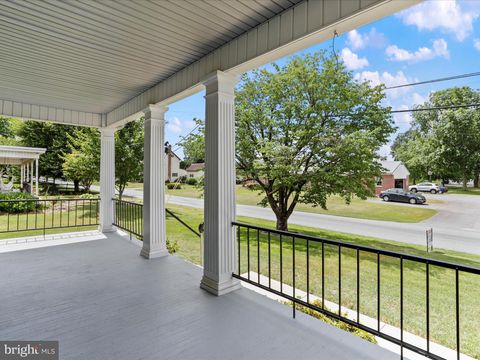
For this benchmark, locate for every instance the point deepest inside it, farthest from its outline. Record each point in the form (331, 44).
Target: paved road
(456, 226)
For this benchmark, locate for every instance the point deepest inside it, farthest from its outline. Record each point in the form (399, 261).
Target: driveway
(455, 227)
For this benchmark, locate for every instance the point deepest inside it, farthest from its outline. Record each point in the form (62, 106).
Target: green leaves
(309, 130)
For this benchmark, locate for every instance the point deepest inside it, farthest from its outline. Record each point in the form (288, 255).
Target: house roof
(196, 167)
(390, 166)
(395, 168)
(19, 154)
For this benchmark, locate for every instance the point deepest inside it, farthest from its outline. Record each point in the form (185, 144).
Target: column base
(152, 254)
(107, 229)
(218, 289)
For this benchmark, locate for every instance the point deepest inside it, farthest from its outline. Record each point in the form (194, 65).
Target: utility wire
(436, 108)
(461, 76)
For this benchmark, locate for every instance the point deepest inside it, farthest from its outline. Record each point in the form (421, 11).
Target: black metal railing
(128, 216)
(44, 214)
(311, 271)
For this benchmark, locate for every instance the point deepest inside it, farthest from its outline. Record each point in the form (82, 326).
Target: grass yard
(358, 208)
(459, 190)
(442, 289)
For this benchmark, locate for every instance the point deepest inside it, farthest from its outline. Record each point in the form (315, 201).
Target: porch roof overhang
(16, 155)
(100, 64)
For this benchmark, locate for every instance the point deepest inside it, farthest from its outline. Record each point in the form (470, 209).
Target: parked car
(401, 195)
(426, 187)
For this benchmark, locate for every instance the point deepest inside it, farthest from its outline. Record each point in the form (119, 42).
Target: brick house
(395, 176)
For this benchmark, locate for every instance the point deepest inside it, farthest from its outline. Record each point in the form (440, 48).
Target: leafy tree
(194, 144)
(82, 162)
(53, 137)
(129, 154)
(6, 129)
(445, 143)
(307, 131)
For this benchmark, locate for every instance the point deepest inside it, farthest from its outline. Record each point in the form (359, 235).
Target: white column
(154, 231)
(27, 168)
(219, 245)
(21, 175)
(31, 179)
(36, 177)
(107, 178)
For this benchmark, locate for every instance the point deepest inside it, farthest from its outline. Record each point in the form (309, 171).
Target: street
(455, 227)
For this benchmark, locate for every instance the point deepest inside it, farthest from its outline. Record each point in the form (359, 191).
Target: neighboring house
(172, 166)
(395, 175)
(195, 170)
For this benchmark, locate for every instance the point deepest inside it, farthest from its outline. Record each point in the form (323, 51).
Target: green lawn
(358, 208)
(459, 190)
(442, 299)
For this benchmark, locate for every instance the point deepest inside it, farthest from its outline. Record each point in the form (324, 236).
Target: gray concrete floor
(101, 300)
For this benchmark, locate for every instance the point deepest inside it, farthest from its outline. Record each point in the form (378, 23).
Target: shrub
(172, 246)
(183, 179)
(20, 206)
(192, 181)
(172, 186)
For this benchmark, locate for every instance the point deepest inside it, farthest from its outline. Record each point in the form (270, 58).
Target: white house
(172, 166)
(196, 170)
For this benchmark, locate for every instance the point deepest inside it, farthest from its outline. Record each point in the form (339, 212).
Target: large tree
(82, 161)
(307, 130)
(193, 144)
(129, 154)
(444, 142)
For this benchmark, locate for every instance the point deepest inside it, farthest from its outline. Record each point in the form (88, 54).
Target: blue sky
(437, 38)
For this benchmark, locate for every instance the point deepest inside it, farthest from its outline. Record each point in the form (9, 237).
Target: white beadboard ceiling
(93, 56)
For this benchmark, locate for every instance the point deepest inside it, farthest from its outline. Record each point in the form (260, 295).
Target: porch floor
(101, 300)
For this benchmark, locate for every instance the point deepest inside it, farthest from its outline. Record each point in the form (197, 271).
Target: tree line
(443, 143)
(73, 153)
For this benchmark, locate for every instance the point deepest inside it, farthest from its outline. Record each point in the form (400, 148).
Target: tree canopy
(308, 130)
(194, 144)
(443, 143)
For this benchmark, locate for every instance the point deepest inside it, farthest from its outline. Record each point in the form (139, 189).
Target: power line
(436, 108)
(461, 76)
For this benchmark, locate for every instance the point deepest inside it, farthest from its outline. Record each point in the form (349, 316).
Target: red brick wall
(388, 182)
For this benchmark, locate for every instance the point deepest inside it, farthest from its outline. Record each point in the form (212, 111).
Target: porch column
(107, 178)
(36, 177)
(21, 175)
(31, 178)
(154, 232)
(219, 244)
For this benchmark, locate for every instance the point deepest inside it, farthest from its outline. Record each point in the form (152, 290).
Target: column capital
(107, 132)
(220, 81)
(155, 111)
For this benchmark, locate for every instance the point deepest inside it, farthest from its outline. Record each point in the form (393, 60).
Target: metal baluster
(308, 272)
(457, 312)
(378, 291)
(61, 205)
(76, 212)
(258, 256)
(269, 262)
(323, 275)
(281, 264)
(428, 305)
(358, 286)
(239, 250)
(248, 252)
(339, 280)
(401, 307)
(293, 271)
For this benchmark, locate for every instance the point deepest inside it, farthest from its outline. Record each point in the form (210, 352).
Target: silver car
(426, 187)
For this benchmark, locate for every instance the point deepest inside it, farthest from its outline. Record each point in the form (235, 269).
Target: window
(175, 174)
(379, 180)
(191, 175)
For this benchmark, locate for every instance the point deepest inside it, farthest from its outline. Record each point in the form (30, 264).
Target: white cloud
(446, 15)
(174, 125)
(439, 49)
(373, 38)
(476, 43)
(385, 152)
(352, 61)
(377, 78)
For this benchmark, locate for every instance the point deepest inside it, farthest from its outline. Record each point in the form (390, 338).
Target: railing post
(107, 178)
(219, 243)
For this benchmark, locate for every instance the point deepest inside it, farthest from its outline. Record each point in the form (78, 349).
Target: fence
(38, 214)
(423, 297)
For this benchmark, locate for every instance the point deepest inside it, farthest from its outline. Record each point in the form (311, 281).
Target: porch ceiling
(93, 56)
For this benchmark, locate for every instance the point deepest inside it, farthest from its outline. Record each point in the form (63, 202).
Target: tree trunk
(464, 186)
(476, 180)
(282, 222)
(76, 185)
